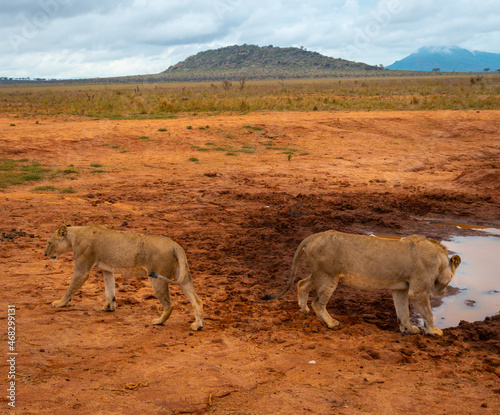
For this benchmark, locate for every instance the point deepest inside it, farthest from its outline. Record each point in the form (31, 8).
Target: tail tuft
(268, 297)
(153, 275)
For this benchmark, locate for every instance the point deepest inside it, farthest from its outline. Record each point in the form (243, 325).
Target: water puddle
(477, 279)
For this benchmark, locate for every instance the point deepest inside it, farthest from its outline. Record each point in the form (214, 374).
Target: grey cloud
(106, 37)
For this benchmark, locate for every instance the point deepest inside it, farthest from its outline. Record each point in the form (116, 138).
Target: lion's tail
(296, 259)
(181, 259)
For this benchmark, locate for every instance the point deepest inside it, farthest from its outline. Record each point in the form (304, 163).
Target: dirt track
(240, 218)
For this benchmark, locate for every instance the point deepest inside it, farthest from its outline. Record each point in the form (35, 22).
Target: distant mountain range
(448, 59)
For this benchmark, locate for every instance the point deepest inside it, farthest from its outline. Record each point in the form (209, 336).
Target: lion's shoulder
(430, 243)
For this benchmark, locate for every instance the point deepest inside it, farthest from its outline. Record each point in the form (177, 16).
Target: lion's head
(58, 243)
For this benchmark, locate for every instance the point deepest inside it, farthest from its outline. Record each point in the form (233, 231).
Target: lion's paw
(196, 326)
(58, 303)
(108, 307)
(435, 332)
(158, 322)
(410, 330)
(333, 324)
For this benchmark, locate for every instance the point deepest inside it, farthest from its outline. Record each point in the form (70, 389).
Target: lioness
(412, 267)
(163, 260)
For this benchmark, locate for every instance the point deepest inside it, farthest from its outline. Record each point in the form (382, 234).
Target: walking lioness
(161, 259)
(412, 268)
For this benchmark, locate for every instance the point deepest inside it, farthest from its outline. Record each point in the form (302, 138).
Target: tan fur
(134, 254)
(412, 268)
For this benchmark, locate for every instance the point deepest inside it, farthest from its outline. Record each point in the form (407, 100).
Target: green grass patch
(68, 170)
(251, 127)
(68, 190)
(45, 189)
(193, 159)
(13, 172)
(7, 165)
(113, 146)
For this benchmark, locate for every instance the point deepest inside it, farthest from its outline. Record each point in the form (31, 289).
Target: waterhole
(476, 282)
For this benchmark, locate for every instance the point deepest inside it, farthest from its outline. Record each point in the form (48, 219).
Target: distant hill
(264, 62)
(452, 59)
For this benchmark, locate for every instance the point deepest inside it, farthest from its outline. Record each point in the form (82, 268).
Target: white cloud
(69, 38)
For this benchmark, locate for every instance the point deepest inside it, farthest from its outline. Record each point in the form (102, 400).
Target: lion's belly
(131, 271)
(363, 282)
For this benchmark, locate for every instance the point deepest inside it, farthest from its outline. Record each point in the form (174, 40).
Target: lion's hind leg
(325, 286)
(304, 287)
(109, 287)
(190, 292)
(162, 292)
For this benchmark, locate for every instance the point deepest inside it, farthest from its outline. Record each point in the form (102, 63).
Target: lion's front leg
(109, 287)
(76, 283)
(423, 306)
(401, 304)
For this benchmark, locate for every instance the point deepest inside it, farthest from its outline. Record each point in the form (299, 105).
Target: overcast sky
(100, 38)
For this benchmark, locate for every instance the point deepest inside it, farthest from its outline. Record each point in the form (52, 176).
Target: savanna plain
(238, 174)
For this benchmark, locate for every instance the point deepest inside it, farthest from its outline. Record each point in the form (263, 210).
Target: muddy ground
(260, 184)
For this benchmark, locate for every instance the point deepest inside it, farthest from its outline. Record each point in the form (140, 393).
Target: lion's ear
(62, 231)
(455, 261)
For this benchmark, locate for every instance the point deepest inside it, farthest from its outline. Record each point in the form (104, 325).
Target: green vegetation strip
(167, 100)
